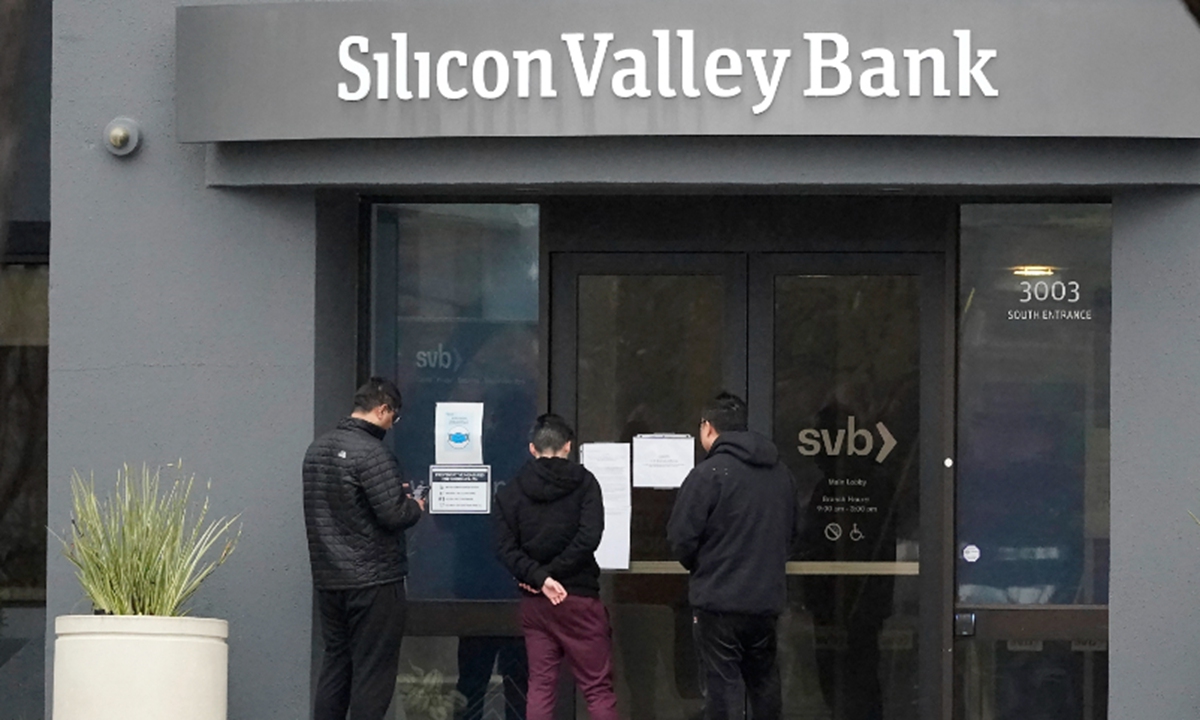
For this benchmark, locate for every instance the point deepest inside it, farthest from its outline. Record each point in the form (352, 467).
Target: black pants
(476, 658)
(737, 665)
(362, 629)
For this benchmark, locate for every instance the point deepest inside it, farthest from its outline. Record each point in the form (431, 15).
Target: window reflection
(847, 370)
(24, 330)
(638, 376)
(1033, 408)
(455, 315)
(462, 678)
(1030, 680)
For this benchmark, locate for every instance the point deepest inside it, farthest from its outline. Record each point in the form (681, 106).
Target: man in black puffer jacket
(548, 526)
(356, 509)
(733, 527)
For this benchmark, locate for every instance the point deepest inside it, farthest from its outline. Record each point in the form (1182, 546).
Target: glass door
(1032, 479)
(640, 342)
(845, 371)
(840, 358)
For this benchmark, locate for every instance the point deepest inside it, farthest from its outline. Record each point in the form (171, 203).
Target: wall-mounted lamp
(121, 136)
(1034, 270)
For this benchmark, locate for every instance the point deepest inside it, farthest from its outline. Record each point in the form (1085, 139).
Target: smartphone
(420, 491)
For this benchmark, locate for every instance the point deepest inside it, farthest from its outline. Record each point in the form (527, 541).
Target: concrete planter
(123, 667)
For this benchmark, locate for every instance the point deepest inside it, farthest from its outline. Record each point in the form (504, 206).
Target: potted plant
(140, 554)
(428, 696)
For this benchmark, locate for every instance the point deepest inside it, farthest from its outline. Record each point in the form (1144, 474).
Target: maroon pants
(578, 630)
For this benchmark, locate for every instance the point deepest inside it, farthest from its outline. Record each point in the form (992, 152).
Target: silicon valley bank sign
(343, 70)
(723, 73)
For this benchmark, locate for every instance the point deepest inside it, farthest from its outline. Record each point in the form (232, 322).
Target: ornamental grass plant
(144, 549)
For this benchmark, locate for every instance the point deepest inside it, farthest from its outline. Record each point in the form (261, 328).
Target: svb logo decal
(850, 441)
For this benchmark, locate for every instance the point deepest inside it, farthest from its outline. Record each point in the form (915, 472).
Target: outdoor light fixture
(1034, 270)
(121, 136)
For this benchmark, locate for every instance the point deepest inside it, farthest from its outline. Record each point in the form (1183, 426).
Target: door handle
(964, 624)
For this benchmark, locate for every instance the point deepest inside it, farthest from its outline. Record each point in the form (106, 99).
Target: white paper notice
(662, 460)
(458, 433)
(609, 462)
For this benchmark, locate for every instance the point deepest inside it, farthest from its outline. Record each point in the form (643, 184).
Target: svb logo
(439, 358)
(850, 440)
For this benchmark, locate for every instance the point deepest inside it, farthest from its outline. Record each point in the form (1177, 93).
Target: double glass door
(841, 359)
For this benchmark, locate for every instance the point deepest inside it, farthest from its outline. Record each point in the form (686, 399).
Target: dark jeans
(362, 629)
(477, 655)
(578, 630)
(737, 665)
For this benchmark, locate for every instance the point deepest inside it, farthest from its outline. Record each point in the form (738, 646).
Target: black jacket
(548, 524)
(734, 524)
(356, 508)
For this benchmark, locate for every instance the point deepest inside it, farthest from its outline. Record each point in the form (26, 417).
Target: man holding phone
(357, 508)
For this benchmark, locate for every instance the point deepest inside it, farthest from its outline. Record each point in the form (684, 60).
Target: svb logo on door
(850, 440)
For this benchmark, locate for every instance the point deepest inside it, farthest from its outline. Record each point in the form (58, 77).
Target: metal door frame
(936, 436)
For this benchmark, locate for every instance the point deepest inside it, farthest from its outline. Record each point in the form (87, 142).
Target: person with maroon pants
(548, 525)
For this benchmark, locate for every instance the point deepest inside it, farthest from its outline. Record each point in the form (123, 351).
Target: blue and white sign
(458, 432)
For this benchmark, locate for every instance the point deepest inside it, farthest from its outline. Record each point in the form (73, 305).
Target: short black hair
(550, 433)
(375, 392)
(726, 413)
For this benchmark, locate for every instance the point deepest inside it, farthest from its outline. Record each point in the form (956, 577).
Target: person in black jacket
(548, 526)
(733, 526)
(356, 509)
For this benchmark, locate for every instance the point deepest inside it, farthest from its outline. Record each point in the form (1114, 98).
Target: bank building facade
(946, 249)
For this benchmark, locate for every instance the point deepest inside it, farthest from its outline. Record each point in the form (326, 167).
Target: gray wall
(1154, 625)
(182, 326)
(759, 164)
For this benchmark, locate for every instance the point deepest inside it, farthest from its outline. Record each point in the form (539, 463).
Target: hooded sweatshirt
(734, 524)
(548, 524)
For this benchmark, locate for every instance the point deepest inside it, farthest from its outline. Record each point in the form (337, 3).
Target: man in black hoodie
(732, 527)
(548, 526)
(356, 509)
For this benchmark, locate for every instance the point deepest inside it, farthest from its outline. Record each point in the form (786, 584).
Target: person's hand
(420, 503)
(554, 591)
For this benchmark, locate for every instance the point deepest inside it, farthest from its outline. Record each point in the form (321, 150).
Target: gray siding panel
(1154, 639)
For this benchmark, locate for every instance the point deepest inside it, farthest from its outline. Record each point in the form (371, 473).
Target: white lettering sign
(850, 440)
(490, 73)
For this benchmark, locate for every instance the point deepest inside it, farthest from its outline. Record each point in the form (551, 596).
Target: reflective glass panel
(650, 350)
(455, 315)
(24, 329)
(1033, 404)
(461, 678)
(1030, 680)
(847, 382)
(846, 394)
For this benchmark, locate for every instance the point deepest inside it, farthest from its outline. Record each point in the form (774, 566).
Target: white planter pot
(135, 667)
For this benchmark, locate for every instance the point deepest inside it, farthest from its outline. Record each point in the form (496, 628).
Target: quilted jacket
(356, 508)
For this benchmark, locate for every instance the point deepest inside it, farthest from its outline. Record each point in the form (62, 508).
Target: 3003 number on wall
(1041, 291)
